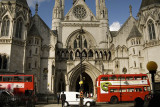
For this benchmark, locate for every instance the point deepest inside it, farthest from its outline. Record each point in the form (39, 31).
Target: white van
(72, 98)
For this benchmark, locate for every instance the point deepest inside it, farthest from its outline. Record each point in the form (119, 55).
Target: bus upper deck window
(137, 78)
(7, 78)
(18, 79)
(28, 78)
(112, 78)
(129, 78)
(121, 78)
(144, 77)
(138, 89)
(104, 78)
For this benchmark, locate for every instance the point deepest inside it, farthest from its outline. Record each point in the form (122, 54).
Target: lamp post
(81, 79)
(152, 68)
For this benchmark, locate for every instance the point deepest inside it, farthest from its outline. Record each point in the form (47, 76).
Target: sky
(118, 10)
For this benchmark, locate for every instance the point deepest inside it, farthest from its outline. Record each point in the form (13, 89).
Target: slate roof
(149, 2)
(34, 31)
(134, 32)
(113, 33)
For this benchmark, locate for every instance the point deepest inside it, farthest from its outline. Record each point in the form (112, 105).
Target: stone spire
(36, 8)
(97, 9)
(130, 10)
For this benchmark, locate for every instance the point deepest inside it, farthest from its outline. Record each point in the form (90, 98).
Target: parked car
(73, 98)
(7, 98)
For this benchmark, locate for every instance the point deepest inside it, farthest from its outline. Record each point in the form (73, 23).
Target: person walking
(63, 98)
(58, 97)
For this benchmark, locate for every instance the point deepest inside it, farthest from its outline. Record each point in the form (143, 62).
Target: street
(124, 104)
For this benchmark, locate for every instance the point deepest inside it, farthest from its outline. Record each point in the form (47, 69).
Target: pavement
(49, 105)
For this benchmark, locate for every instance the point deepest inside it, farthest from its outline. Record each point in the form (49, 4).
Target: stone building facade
(28, 45)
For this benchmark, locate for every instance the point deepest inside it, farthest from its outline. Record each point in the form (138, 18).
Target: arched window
(84, 53)
(101, 55)
(85, 43)
(77, 53)
(139, 53)
(97, 56)
(3, 62)
(67, 54)
(105, 53)
(5, 26)
(36, 51)
(109, 55)
(90, 54)
(134, 63)
(151, 30)
(35, 64)
(19, 28)
(30, 52)
(75, 44)
(63, 56)
(133, 51)
(71, 55)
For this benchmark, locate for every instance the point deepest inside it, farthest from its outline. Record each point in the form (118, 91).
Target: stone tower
(15, 18)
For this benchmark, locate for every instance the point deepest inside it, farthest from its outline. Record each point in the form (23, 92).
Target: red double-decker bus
(18, 84)
(122, 87)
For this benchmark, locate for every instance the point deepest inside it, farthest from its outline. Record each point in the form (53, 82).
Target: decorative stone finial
(130, 9)
(36, 9)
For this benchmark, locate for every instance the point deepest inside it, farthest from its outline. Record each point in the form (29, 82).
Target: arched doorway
(87, 84)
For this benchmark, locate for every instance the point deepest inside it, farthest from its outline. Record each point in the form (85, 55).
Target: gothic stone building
(29, 46)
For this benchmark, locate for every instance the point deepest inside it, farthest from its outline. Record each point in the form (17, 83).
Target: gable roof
(149, 2)
(134, 33)
(80, 2)
(34, 31)
(125, 23)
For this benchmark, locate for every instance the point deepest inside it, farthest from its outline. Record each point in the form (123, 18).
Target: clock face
(79, 12)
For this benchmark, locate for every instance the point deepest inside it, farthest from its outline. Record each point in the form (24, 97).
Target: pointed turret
(97, 9)
(103, 10)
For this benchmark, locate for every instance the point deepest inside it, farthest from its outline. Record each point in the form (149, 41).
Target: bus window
(113, 78)
(28, 78)
(144, 77)
(0, 78)
(138, 89)
(113, 90)
(137, 78)
(129, 78)
(104, 78)
(130, 90)
(7, 78)
(18, 79)
(121, 78)
(122, 90)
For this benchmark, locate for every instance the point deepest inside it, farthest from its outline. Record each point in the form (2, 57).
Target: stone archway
(90, 73)
(87, 83)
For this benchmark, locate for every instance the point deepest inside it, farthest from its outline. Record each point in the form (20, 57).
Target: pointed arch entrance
(89, 75)
(87, 83)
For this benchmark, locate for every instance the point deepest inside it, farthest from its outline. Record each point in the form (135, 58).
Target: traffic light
(81, 94)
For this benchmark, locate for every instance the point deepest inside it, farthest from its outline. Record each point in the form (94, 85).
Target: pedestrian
(58, 97)
(63, 98)
(138, 102)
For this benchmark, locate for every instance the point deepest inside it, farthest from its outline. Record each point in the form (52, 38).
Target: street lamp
(81, 79)
(152, 68)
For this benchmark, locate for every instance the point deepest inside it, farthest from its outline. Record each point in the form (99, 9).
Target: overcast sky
(118, 10)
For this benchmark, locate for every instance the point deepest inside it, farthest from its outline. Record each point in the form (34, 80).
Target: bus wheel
(114, 100)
